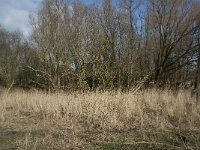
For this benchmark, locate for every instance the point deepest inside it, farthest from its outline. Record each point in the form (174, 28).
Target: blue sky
(14, 14)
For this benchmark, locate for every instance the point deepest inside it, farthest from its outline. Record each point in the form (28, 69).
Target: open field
(149, 119)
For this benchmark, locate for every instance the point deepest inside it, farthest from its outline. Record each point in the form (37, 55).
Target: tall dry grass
(106, 111)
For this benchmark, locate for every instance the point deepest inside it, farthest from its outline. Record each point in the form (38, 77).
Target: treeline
(105, 45)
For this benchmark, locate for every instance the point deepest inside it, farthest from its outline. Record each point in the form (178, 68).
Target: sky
(14, 14)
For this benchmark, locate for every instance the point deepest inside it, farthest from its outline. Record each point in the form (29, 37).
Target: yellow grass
(106, 111)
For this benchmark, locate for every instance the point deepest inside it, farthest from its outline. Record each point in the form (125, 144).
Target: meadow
(147, 119)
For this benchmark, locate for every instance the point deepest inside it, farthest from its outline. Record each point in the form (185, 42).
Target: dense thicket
(105, 45)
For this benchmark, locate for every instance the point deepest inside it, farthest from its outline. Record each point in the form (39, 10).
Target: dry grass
(65, 115)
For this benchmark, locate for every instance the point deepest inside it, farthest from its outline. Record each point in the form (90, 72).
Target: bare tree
(171, 30)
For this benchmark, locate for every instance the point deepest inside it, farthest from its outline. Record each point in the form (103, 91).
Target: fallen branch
(140, 84)
(137, 143)
(9, 88)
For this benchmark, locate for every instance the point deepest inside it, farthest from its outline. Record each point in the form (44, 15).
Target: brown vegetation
(107, 45)
(80, 113)
(149, 50)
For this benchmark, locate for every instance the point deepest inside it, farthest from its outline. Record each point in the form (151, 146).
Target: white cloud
(14, 14)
